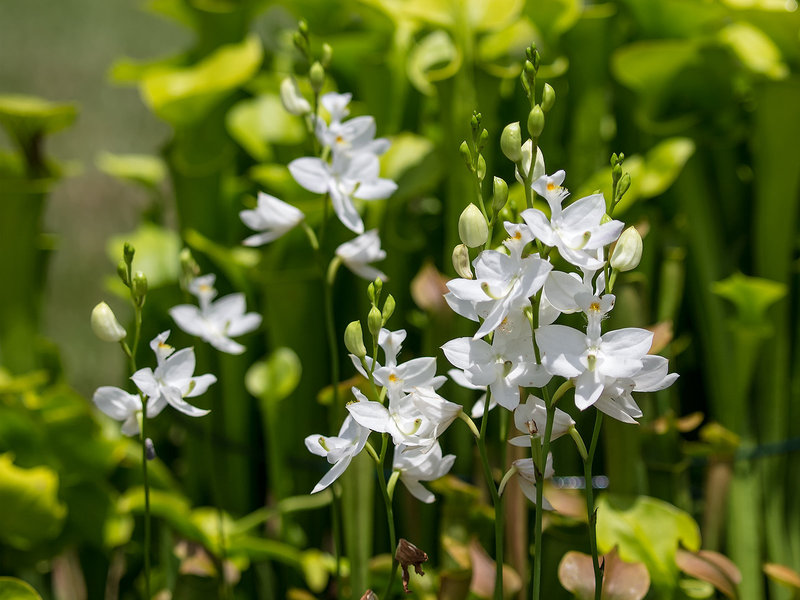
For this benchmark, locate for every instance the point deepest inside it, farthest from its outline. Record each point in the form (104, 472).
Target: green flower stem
(496, 501)
(590, 513)
(337, 534)
(470, 423)
(539, 470)
(387, 500)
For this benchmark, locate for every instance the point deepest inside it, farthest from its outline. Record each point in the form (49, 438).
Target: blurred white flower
(215, 322)
(272, 217)
(359, 252)
(421, 467)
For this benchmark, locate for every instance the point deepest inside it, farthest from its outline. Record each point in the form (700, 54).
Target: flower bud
(374, 321)
(511, 142)
(105, 324)
(388, 308)
(327, 55)
(122, 271)
(499, 194)
(483, 139)
(628, 251)
(149, 449)
(139, 288)
(472, 227)
(536, 121)
(354, 339)
(466, 154)
(317, 76)
(127, 253)
(623, 185)
(292, 99)
(548, 97)
(461, 261)
(481, 168)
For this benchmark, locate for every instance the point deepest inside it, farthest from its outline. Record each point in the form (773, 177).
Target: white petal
(310, 173)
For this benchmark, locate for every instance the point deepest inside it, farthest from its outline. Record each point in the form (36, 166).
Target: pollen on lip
(517, 235)
(595, 306)
(551, 186)
(393, 378)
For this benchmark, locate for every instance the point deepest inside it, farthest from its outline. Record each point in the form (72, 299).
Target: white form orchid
(577, 231)
(351, 136)
(502, 282)
(421, 467)
(173, 379)
(531, 419)
(617, 401)
(349, 176)
(121, 406)
(527, 478)
(360, 251)
(215, 322)
(339, 450)
(272, 217)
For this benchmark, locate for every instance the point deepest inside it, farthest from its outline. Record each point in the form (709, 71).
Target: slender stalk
(587, 470)
(337, 528)
(496, 501)
(539, 470)
(146, 500)
(387, 500)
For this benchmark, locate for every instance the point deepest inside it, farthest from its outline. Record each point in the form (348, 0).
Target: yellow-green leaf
(12, 588)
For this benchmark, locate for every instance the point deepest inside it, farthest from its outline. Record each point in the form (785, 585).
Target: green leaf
(258, 122)
(276, 377)
(169, 506)
(185, 95)
(26, 117)
(646, 530)
(32, 512)
(12, 588)
(157, 250)
(752, 297)
(433, 58)
(406, 151)
(231, 261)
(489, 15)
(651, 175)
(754, 49)
(648, 67)
(149, 171)
(500, 50)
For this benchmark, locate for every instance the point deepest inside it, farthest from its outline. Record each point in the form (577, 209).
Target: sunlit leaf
(31, 511)
(754, 49)
(489, 15)
(12, 588)
(649, 66)
(185, 95)
(169, 506)
(276, 377)
(25, 117)
(752, 296)
(261, 121)
(144, 169)
(434, 58)
(508, 43)
(646, 530)
(694, 588)
(406, 151)
(783, 574)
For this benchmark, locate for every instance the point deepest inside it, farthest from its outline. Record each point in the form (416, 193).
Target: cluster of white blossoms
(409, 410)
(515, 295)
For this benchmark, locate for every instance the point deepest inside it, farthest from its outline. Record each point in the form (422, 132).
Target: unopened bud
(616, 171)
(623, 185)
(302, 27)
(461, 261)
(466, 154)
(149, 449)
(139, 288)
(536, 121)
(475, 123)
(480, 170)
(354, 339)
(292, 99)
(316, 74)
(472, 227)
(105, 324)
(300, 42)
(499, 194)
(511, 142)
(122, 271)
(548, 97)
(388, 308)
(483, 139)
(628, 251)
(127, 253)
(327, 55)
(374, 321)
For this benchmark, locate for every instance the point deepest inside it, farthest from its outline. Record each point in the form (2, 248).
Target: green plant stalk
(499, 532)
(336, 509)
(537, 527)
(387, 500)
(590, 513)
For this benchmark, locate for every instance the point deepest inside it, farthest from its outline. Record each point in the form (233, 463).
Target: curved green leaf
(31, 511)
(434, 58)
(275, 377)
(257, 122)
(12, 588)
(185, 95)
(144, 169)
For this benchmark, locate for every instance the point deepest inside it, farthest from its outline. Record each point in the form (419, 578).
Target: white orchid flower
(531, 419)
(215, 322)
(527, 478)
(272, 217)
(121, 406)
(360, 251)
(172, 380)
(422, 467)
